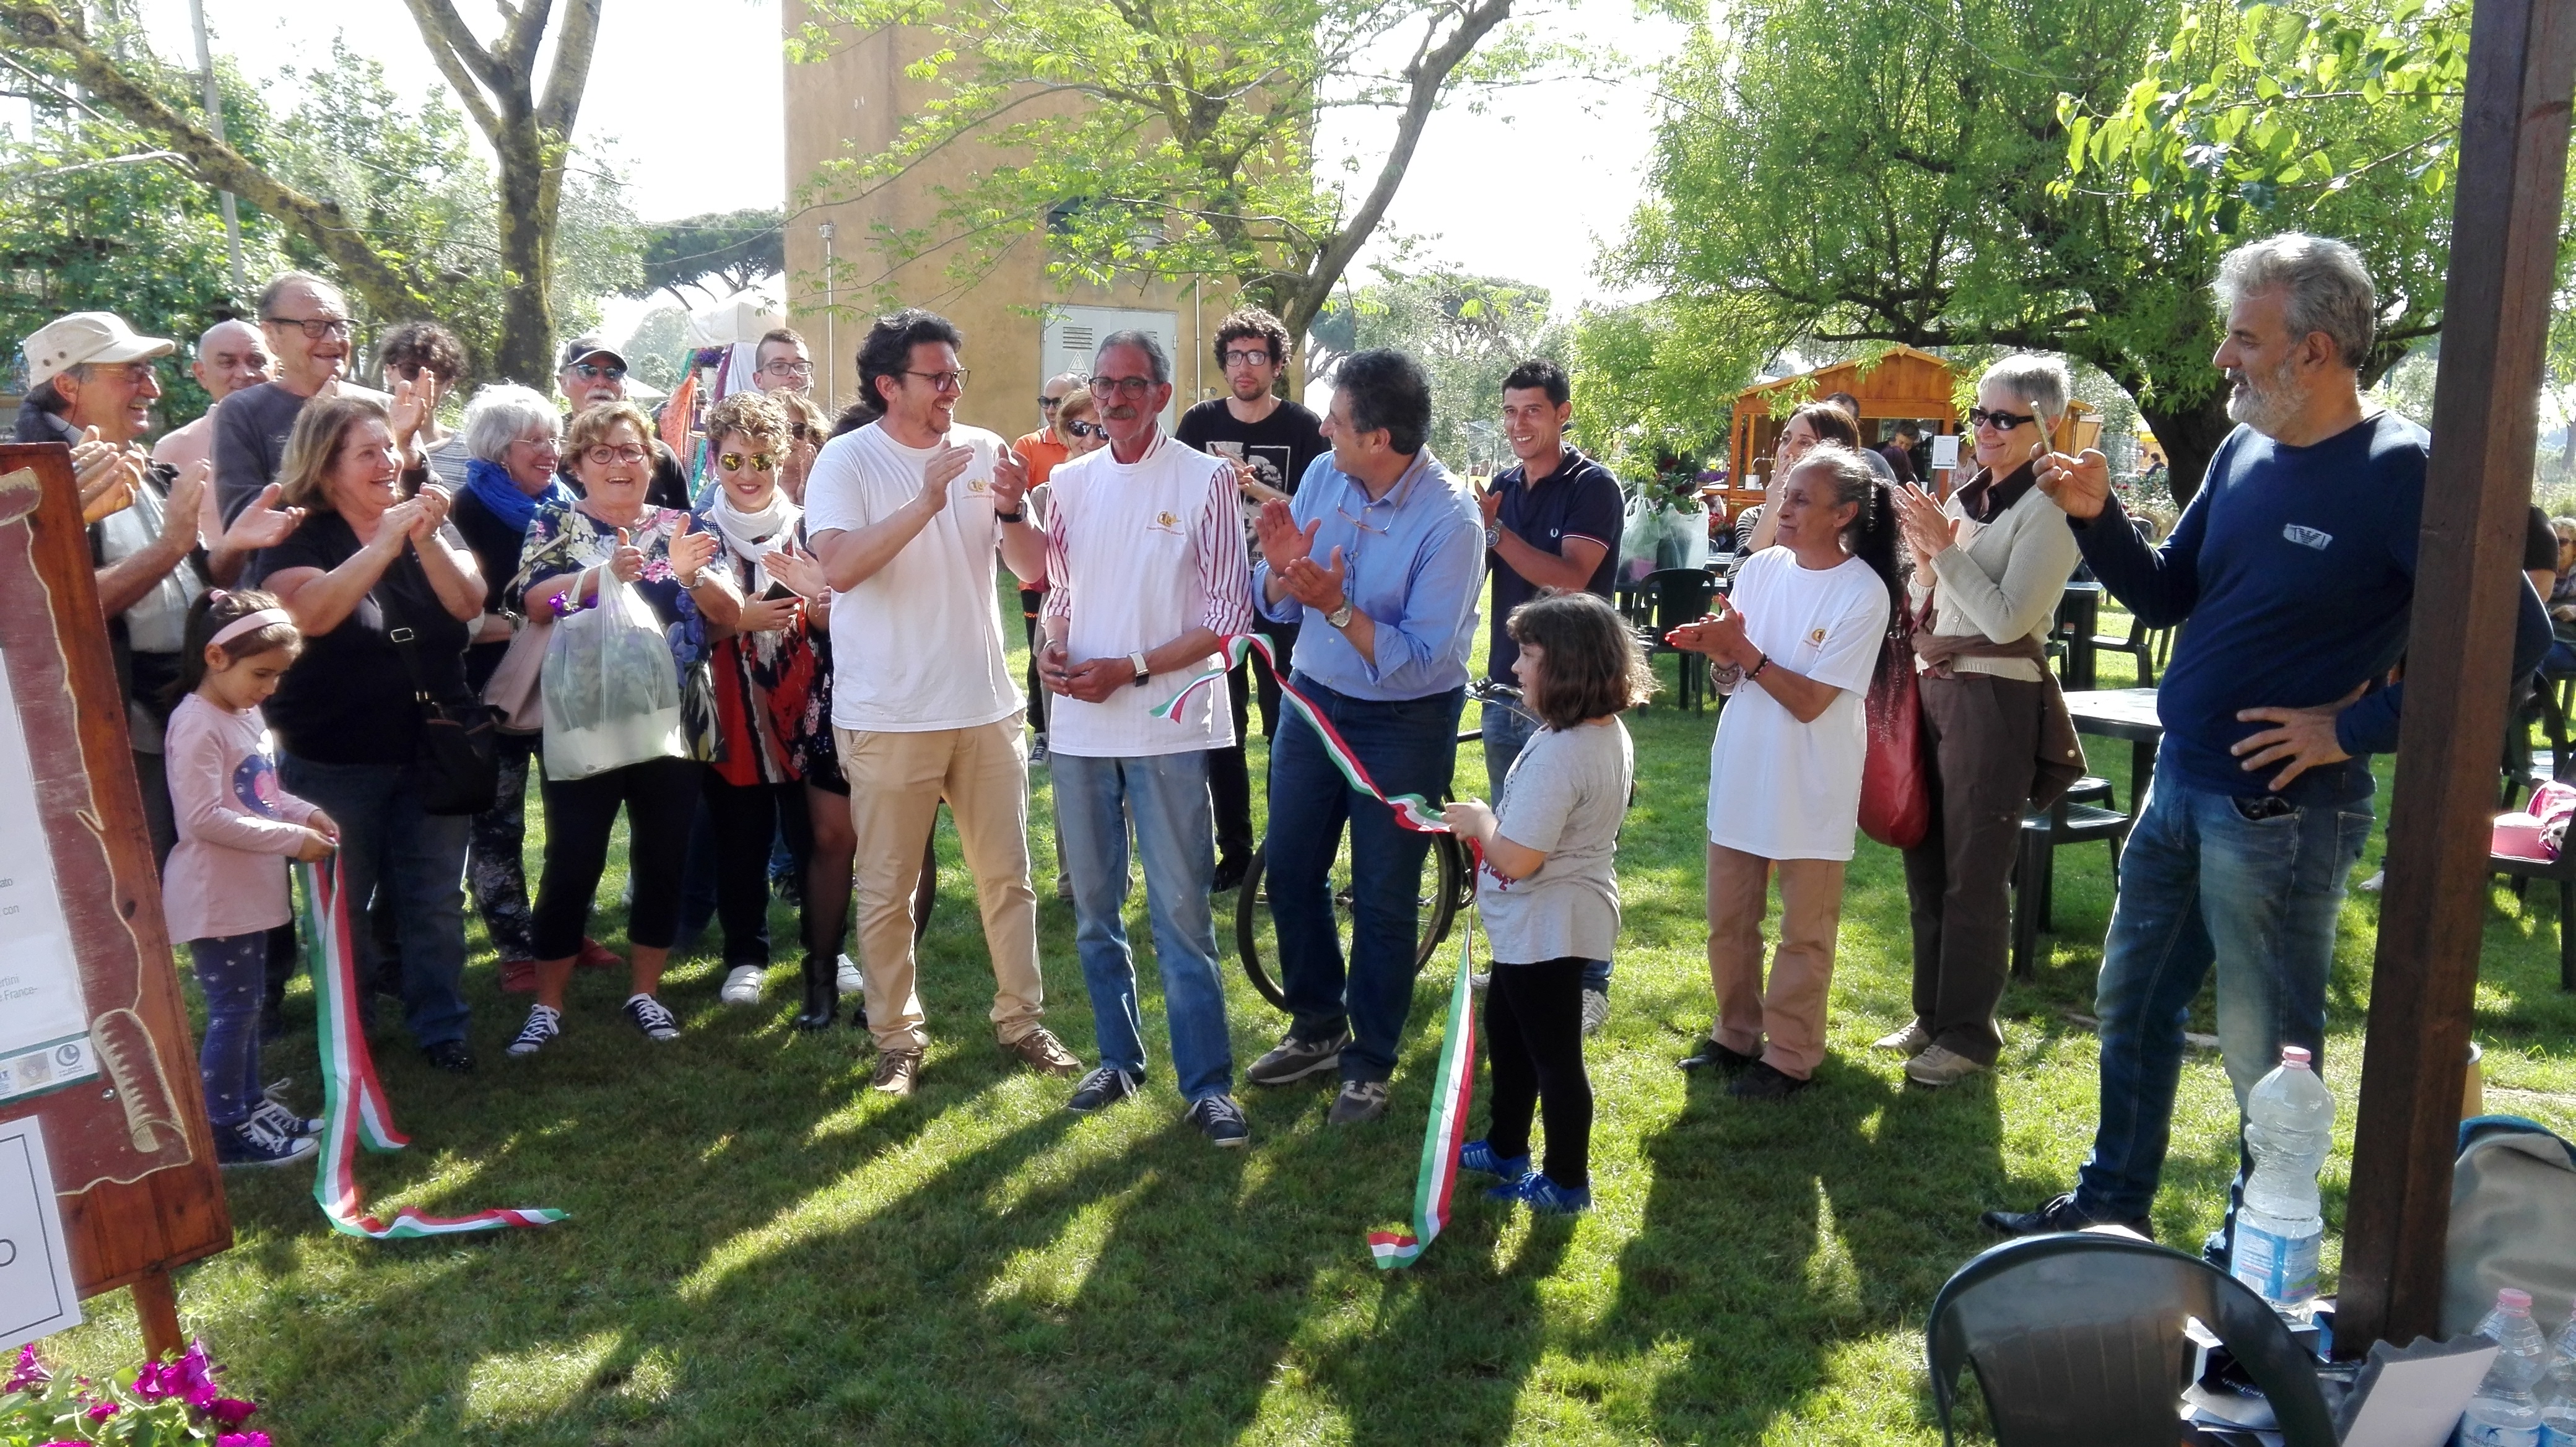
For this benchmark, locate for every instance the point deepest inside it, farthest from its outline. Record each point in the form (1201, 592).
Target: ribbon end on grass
(1454, 1089)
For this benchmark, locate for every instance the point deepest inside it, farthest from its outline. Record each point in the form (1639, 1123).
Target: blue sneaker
(1479, 1157)
(1544, 1196)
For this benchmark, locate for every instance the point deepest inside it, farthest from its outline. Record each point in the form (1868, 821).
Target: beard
(2264, 402)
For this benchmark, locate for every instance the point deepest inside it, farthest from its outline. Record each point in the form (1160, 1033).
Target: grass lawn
(762, 1250)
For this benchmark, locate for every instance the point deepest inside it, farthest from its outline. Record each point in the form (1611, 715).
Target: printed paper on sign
(44, 1022)
(37, 1296)
(1945, 452)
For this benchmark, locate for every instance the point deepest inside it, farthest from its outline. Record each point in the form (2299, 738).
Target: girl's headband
(251, 623)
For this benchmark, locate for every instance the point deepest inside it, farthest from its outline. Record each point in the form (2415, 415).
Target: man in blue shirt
(1377, 559)
(2295, 566)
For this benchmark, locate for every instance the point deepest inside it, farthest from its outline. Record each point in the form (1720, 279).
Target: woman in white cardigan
(1989, 569)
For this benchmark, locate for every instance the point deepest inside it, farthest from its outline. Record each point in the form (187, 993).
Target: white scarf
(751, 535)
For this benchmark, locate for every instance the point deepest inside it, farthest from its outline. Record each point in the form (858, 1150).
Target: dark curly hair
(888, 350)
(415, 345)
(1248, 324)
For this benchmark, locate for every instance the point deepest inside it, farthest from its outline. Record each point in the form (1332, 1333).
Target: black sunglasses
(1086, 429)
(2001, 421)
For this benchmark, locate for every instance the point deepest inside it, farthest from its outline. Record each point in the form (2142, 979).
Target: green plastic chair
(2079, 1339)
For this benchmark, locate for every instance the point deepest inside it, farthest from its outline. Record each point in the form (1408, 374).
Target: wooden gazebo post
(2504, 243)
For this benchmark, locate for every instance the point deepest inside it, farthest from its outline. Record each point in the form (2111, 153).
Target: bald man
(230, 356)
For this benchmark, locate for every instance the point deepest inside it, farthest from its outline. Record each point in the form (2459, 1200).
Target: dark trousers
(1534, 1037)
(1408, 747)
(659, 796)
(746, 817)
(1229, 773)
(496, 866)
(231, 972)
(1983, 735)
(1032, 599)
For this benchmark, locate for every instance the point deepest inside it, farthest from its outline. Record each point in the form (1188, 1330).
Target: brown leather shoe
(898, 1071)
(1043, 1053)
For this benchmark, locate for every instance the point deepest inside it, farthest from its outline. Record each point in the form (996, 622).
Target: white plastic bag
(611, 690)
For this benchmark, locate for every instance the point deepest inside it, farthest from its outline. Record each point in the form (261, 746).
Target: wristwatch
(1016, 515)
(1137, 661)
(1493, 536)
(1341, 617)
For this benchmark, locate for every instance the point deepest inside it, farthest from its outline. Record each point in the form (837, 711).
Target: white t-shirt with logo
(917, 646)
(1777, 787)
(1137, 555)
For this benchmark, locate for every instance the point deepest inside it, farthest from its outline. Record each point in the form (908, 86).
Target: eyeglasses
(2000, 421)
(1049, 404)
(541, 444)
(733, 461)
(1247, 359)
(594, 372)
(604, 454)
(137, 373)
(943, 381)
(788, 367)
(1086, 429)
(1130, 388)
(317, 328)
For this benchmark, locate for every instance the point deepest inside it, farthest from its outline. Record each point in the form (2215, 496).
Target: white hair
(2042, 380)
(500, 414)
(2324, 288)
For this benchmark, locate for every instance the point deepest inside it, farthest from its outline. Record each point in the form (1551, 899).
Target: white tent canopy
(736, 321)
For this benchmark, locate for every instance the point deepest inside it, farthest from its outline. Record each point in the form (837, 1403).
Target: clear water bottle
(2289, 1125)
(2557, 1391)
(2503, 1412)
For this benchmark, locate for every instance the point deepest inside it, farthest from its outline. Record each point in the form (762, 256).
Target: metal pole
(831, 349)
(215, 117)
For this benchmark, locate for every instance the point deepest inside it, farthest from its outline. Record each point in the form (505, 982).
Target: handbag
(456, 765)
(514, 689)
(1895, 785)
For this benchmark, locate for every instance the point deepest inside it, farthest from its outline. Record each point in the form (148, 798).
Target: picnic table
(2122, 713)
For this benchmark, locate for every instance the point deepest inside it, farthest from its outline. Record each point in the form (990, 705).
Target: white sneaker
(742, 985)
(850, 981)
(1596, 1010)
(1480, 979)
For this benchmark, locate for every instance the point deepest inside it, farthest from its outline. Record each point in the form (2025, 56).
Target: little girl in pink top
(225, 886)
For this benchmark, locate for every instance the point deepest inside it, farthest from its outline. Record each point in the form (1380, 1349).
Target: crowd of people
(316, 591)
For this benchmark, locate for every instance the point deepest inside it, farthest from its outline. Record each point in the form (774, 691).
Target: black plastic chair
(2073, 819)
(1679, 596)
(2149, 646)
(2079, 1339)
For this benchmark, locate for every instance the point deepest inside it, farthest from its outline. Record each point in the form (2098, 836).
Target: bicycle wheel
(1444, 888)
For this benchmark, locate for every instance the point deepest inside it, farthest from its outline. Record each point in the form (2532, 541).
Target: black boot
(822, 994)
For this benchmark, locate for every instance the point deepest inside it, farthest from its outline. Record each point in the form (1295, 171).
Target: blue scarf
(492, 486)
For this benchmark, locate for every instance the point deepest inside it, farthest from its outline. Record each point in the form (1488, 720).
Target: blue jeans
(1408, 747)
(1167, 794)
(233, 973)
(1507, 732)
(2202, 885)
(418, 859)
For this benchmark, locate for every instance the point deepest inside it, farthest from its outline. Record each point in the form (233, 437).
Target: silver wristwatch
(1137, 661)
(1341, 617)
(1493, 536)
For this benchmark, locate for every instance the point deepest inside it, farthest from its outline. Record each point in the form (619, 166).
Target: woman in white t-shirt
(1795, 646)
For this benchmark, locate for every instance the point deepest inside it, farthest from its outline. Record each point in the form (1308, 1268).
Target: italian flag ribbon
(354, 1111)
(1455, 1087)
(1453, 1090)
(1412, 811)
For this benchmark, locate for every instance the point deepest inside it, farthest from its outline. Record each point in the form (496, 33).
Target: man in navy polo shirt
(1549, 523)
(2295, 568)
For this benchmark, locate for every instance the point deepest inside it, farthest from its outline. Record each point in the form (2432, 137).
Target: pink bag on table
(2540, 829)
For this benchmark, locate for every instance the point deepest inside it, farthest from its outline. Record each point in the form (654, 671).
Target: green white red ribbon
(1453, 1090)
(1412, 811)
(354, 1112)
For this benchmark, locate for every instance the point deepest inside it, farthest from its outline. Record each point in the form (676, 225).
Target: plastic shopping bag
(611, 690)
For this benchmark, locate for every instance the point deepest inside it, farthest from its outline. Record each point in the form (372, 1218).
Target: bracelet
(1018, 516)
(1756, 670)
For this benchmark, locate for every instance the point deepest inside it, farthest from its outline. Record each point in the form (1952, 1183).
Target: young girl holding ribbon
(1547, 889)
(225, 886)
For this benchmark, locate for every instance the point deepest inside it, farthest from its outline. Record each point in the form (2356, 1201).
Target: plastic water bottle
(2289, 1126)
(2557, 1394)
(2503, 1412)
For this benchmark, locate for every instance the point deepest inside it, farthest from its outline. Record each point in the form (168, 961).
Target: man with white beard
(2295, 565)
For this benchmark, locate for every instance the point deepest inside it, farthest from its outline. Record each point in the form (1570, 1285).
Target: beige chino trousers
(1783, 1021)
(896, 783)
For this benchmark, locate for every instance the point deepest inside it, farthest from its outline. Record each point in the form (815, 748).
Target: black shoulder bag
(456, 765)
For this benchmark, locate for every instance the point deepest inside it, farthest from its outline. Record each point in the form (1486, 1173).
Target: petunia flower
(195, 1378)
(29, 1374)
(242, 1439)
(101, 1411)
(230, 1411)
(157, 1380)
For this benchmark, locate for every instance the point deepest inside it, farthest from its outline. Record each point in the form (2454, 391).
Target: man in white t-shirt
(1146, 576)
(906, 515)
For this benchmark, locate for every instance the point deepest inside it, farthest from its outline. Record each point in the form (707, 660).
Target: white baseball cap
(67, 342)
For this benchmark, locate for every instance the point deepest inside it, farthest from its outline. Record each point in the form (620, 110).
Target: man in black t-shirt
(1270, 440)
(305, 322)
(591, 374)
(1550, 522)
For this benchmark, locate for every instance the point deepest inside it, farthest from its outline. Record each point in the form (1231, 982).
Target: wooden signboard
(94, 1038)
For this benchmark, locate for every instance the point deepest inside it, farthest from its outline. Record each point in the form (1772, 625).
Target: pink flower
(231, 1411)
(157, 1380)
(242, 1439)
(101, 1411)
(195, 1378)
(29, 1374)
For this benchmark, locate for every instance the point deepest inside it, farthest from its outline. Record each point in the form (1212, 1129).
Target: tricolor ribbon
(1412, 811)
(354, 1112)
(1453, 1089)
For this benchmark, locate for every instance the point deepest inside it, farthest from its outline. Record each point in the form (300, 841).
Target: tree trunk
(527, 234)
(2190, 437)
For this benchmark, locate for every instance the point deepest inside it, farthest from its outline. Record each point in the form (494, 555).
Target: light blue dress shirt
(1416, 566)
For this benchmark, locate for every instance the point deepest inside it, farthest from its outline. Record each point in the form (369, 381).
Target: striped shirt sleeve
(1059, 569)
(1225, 574)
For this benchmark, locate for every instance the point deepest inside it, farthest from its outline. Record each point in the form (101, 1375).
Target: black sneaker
(545, 1022)
(1713, 1056)
(1295, 1059)
(648, 1015)
(285, 1119)
(1761, 1081)
(451, 1056)
(1229, 875)
(1221, 1121)
(1101, 1089)
(1361, 1101)
(2060, 1214)
(255, 1143)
